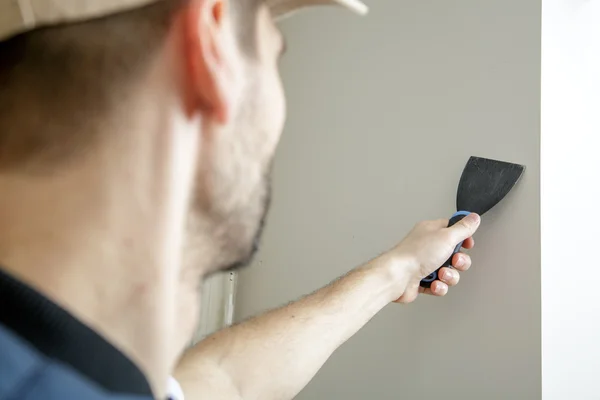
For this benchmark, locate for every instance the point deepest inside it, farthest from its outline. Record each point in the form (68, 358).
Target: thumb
(465, 228)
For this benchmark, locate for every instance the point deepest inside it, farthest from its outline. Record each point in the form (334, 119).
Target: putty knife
(483, 184)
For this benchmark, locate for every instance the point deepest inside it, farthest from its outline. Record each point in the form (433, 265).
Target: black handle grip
(426, 282)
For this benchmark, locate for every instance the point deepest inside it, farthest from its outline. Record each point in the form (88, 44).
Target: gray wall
(383, 113)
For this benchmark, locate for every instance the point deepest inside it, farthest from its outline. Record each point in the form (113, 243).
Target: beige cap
(18, 16)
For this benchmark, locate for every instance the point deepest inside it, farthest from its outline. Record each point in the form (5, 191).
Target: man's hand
(276, 354)
(427, 247)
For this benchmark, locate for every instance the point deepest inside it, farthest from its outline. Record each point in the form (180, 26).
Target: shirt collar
(60, 336)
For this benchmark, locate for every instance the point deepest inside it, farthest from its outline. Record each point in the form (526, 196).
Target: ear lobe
(205, 52)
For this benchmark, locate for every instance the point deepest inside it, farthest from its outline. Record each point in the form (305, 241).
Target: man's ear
(207, 46)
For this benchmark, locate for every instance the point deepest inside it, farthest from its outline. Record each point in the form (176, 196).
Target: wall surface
(383, 114)
(216, 305)
(570, 181)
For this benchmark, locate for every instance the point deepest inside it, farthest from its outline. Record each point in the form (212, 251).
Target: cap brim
(281, 9)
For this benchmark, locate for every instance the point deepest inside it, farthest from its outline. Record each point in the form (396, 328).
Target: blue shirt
(48, 354)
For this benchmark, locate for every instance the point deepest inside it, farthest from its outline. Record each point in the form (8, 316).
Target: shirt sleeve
(174, 390)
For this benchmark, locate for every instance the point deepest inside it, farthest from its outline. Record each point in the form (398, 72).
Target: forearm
(275, 355)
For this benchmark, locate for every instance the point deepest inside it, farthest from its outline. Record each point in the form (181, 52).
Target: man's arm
(275, 355)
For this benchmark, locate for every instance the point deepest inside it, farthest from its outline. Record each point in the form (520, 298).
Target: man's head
(133, 129)
(61, 84)
(66, 83)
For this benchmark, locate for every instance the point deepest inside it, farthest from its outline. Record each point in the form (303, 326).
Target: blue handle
(426, 282)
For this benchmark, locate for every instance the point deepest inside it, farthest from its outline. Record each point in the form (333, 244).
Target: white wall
(570, 199)
(383, 113)
(216, 304)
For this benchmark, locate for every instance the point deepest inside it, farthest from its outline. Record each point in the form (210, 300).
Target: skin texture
(123, 236)
(275, 355)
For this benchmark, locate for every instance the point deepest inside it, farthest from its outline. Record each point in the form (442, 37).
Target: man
(136, 139)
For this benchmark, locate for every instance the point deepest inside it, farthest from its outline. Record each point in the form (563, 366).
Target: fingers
(449, 276)
(469, 243)
(461, 262)
(465, 228)
(438, 288)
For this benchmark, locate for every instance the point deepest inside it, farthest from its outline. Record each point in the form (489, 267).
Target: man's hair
(58, 84)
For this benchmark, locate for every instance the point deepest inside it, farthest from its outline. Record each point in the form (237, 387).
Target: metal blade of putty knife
(483, 184)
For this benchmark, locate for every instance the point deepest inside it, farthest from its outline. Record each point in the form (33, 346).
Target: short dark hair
(58, 84)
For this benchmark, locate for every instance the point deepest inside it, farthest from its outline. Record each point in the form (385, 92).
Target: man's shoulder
(26, 374)
(19, 364)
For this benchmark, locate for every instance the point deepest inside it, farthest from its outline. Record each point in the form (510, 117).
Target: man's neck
(105, 250)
